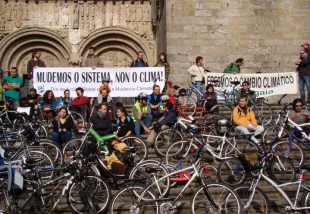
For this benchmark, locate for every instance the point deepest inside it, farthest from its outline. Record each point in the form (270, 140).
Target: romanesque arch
(16, 48)
(116, 46)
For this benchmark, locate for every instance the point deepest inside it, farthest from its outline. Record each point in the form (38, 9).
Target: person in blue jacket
(170, 117)
(48, 105)
(64, 102)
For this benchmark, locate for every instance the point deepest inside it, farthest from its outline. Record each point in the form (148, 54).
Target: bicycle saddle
(235, 82)
(153, 170)
(131, 149)
(178, 157)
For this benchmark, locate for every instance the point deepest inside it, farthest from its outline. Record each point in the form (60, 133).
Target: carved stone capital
(75, 59)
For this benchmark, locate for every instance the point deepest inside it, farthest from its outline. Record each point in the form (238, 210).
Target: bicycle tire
(260, 202)
(210, 119)
(70, 148)
(18, 123)
(98, 189)
(223, 196)
(78, 121)
(188, 102)
(210, 175)
(223, 110)
(42, 131)
(171, 168)
(272, 132)
(180, 148)
(125, 201)
(231, 172)
(165, 138)
(138, 174)
(260, 111)
(134, 141)
(240, 146)
(42, 159)
(194, 95)
(296, 153)
(305, 200)
(282, 169)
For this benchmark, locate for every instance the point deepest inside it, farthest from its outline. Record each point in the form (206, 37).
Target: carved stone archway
(16, 48)
(116, 46)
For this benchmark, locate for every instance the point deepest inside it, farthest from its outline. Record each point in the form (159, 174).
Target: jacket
(167, 67)
(63, 104)
(92, 61)
(31, 64)
(112, 158)
(79, 101)
(135, 64)
(198, 71)
(101, 124)
(52, 105)
(304, 67)
(68, 125)
(137, 109)
(169, 118)
(154, 99)
(232, 67)
(240, 119)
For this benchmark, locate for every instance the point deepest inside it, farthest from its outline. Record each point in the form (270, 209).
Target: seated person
(164, 99)
(154, 101)
(141, 114)
(210, 96)
(101, 121)
(81, 103)
(169, 118)
(62, 127)
(171, 93)
(245, 91)
(65, 101)
(299, 115)
(105, 85)
(105, 97)
(126, 124)
(30, 100)
(244, 120)
(115, 157)
(48, 105)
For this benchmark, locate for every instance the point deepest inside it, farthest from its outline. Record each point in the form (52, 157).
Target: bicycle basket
(223, 126)
(250, 161)
(90, 147)
(182, 92)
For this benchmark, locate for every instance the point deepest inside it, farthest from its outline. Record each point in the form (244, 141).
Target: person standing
(34, 63)
(139, 62)
(12, 84)
(234, 67)
(92, 60)
(306, 47)
(304, 75)
(199, 71)
(163, 63)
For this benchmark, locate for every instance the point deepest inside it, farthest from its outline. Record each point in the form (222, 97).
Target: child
(117, 146)
(171, 93)
(210, 96)
(105, 84)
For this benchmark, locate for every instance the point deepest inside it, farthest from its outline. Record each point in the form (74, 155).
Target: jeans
(200, 83)
(302, 81)
(56, 135)
(243, 130)
(30, 85)
(155, 113)
(147, 122)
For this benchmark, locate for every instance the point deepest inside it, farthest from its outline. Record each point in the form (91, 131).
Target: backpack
(124, 157)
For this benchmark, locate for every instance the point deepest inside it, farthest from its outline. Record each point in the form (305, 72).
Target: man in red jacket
(81, 103)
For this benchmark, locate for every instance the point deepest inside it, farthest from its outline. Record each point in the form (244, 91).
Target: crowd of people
(147, 108)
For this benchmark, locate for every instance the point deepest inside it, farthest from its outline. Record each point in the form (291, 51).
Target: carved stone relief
(115, 59)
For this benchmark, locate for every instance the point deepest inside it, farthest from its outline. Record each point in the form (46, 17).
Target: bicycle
(7, 117)
(208, 198)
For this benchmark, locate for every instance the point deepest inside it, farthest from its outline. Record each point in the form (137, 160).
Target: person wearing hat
(305, 45)
(304, 74)
(105, 84)
(141, 114)
(92, 60)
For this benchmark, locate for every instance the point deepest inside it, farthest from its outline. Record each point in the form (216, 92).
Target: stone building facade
(266, 33)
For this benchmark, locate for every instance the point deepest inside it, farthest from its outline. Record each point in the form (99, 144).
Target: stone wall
(266, 33)
(63, 30)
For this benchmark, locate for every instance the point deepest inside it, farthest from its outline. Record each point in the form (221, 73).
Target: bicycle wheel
(223, 109)
(238, 146)
(165, 138)
(296, 152)
(78, 121)
(231, 172)
(189, 103)
(133, 141)
(52, 150)
(282, 169)
(126, 201)
(260, 110)
(70, 148)
(209, 174)
(180, 148)
(42, 132)
(260, 202)
(43, 160)
(18, 123)
(305, 200)
(223, 196)
(93, 192)
(210, 119)
(139, 174)
(194, 95)
(272, 132)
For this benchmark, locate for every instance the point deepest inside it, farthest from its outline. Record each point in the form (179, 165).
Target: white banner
(124, 82)
(264, 84)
